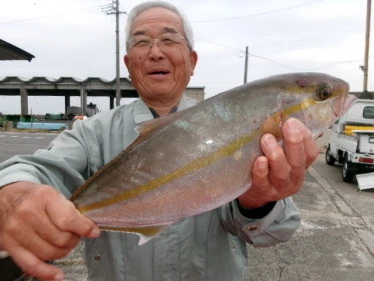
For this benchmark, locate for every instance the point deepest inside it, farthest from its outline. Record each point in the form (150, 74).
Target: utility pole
(365, 68)
(246, 65)
(113, 9)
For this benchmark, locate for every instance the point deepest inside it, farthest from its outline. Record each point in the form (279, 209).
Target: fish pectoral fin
(272, 125)
(146, 233)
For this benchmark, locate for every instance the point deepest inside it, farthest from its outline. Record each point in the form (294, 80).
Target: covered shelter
(70, 86)
(11, 52)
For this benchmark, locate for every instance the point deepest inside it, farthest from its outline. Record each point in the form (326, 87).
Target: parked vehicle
(351, 141)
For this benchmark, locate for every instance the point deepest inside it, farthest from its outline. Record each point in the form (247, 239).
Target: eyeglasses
(165, 40)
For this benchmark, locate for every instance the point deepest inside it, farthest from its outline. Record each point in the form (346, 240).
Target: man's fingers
(71, 220)
(53, 235)
(262, 187)
(30, 240)
(33, 266)
(48, 232)
(260, 173)
(279, 167)
(294, 149)
(283, 170)
(311, 148)
(39, 224)
(300, 148)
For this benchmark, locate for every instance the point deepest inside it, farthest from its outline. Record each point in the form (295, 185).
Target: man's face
(160, 73)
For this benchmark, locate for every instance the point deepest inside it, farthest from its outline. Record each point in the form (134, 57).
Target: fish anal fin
(272, 125)
(146, 233)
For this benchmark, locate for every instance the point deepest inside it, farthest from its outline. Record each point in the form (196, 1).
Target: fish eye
(324, 92)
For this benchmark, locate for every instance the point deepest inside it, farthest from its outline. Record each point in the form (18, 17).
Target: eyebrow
(139, 32)
(170, 30)
(165, 30)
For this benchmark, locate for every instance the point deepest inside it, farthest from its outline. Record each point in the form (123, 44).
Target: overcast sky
(77, 38)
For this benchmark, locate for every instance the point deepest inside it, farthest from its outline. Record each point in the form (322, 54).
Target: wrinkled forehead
(156, 21)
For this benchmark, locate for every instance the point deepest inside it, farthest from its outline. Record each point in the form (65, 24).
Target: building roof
(11, 52)
(71, 86)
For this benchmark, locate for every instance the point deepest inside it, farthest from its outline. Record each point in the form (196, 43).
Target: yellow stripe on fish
(206, 161)
(186, 169)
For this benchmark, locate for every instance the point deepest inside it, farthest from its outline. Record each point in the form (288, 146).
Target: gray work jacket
(211, 246)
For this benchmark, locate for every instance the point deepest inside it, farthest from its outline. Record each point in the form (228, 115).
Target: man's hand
(280, 173)
(38, 224)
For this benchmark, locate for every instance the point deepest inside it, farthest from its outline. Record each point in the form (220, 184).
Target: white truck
(351, 141)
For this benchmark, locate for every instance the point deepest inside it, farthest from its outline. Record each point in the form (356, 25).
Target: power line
(101, 6)
(305, 69)
(278, 63)
(257, 14)
(52, 17)
(218, 44)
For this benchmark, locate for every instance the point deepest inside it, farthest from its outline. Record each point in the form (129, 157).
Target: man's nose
(155, 51)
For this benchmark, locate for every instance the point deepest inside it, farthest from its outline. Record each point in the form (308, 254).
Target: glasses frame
(157, 41)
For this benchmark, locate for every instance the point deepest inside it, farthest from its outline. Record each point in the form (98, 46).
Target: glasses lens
(164, 40)
(168, 39)
(140, 41)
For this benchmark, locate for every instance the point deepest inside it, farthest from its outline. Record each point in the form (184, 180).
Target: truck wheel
(330, 160)
(347, 174)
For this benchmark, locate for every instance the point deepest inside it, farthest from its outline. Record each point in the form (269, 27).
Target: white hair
(187, 28)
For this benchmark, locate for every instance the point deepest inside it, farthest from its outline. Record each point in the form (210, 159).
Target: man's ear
(126, 60)
(193, 60)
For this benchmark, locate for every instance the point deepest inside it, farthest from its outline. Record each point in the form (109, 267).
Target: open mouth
(340, 107)
(158, 72)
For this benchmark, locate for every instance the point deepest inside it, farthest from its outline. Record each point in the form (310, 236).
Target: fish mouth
(340, 107)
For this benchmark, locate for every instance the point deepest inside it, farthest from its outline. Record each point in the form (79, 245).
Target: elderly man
(37, 223)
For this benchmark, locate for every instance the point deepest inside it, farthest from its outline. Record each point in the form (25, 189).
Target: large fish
(198, 159)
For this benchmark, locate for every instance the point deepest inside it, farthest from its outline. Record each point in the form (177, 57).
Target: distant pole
(118, 90)
(367, 41)
(246, 65)
(110, 10)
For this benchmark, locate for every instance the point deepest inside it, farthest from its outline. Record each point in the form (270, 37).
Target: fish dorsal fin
(150, 126)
